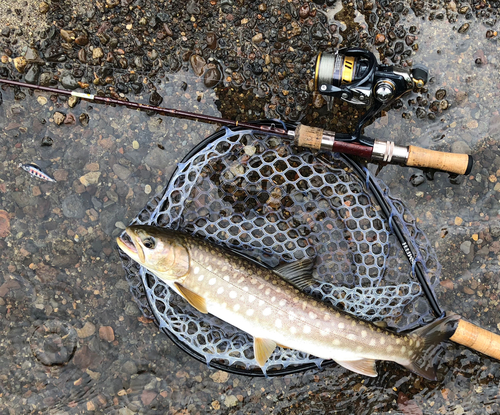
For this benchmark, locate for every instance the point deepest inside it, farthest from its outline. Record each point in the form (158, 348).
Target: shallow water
(73, 339)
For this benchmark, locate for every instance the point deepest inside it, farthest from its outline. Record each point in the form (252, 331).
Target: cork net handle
(476, 338)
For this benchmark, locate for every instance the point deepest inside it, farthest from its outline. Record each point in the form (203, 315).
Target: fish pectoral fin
(263, 348)
(364, 366)
(197, 301)
(297, 273)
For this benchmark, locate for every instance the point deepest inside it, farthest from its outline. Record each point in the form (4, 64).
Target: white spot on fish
(200, 278)
(250, 312)
(282, 303)
(403, 349)
(196, 270)
(226, 277)
(326, 317)
(312, 316)
(278, 323)
(212, 281)
(236, 307)
(359, 348)
(220, 290)
(251, 298)
(364, 333)
(306, 329)
(232, 294)
(245, 288)
(372, 342)
(273, 299)
(335, 342)
(267, 311)
(351, 336)
(293, 330)
(241, 280)
(341, 325)
(390, 348)
(268, 291)
(382, 340)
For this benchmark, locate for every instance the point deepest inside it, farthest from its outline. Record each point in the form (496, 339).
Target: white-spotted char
(34, 170)
(259, 301)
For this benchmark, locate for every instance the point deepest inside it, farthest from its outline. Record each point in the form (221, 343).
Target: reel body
(355, 76)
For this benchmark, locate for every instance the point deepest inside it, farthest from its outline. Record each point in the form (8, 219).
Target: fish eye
(149, 242)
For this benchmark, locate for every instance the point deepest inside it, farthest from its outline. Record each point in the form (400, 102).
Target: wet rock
(73, 207)
(157, 159)
(84, 358)
(90, 178)
(32, 55)
(110, 216)
(122, 172)
(198, 64)
(460, 147)
(97, 53)
(212, 76)
(32, 74)
(129, 368)
(258, 38)
(68, 81)
(440, 94)
(72, 101)
(4, 224)
(379, 39)
(211, 40)
(67, 35)
(82, 40)
(47, 141)
(304, 11)
(106, 333)
(86, 331)
(43, 7)
(112, 3)
(84, 119)
(82, 56)
(463, 28)
(465, 247)
(45, 79)
(20, 64)
(417, 179)
(155, 99)
(59, 117)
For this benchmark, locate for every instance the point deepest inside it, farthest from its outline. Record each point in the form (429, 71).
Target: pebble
(147, 189)
(107, 333)
(68, 81)
(59, 117)
(465, 247)
(231, 400)
(20, 64)
(42, 100)
(43, 7)
(72, 101)
(219, 376)
(198, 64)
(129, 368)
(47, 141)
(212, 76)
(122, 172)
(72, 207)
(86, 331)
(90, 178)
(97, 53)
(4, 224)
(458, 221)
(258, 38)
(135, 144)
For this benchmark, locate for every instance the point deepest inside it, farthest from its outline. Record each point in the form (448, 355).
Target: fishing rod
(352, 75)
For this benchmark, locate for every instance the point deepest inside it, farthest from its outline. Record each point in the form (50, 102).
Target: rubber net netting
(258, 194)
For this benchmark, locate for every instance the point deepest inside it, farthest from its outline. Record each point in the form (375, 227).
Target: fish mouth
(126, 242)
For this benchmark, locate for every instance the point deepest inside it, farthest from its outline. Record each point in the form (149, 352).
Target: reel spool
(258, 194)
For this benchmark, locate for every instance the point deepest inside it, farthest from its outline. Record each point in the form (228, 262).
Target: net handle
(474, 337)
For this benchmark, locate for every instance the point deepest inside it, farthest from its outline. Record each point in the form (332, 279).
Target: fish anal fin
(197, 301)
(263, 348)
(283, 346)
(363, 366)
(297, 273)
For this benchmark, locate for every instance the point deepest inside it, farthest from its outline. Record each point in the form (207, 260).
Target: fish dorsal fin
(299, 273)
(263, 348)
(197, 301)
(364, 366)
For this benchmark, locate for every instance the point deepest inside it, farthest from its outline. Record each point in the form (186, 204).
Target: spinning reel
(355, 76)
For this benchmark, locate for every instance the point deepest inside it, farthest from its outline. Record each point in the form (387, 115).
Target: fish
(270, 305)
(36, 171)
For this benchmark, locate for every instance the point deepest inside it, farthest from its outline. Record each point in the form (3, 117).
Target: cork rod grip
(450, 162)
(476, 338)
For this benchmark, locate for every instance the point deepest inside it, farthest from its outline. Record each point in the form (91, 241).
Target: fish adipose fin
(299, 273)
(263, 348)
(197, 301)
(431, 337)
(363, 367)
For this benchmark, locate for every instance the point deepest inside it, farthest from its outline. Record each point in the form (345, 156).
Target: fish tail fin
(428, 340)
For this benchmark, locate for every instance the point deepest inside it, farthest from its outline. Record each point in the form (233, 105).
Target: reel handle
(474, 337)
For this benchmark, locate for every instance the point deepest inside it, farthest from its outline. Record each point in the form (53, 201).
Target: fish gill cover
(257, 194)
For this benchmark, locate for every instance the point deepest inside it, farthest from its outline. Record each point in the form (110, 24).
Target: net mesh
(258, 194)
